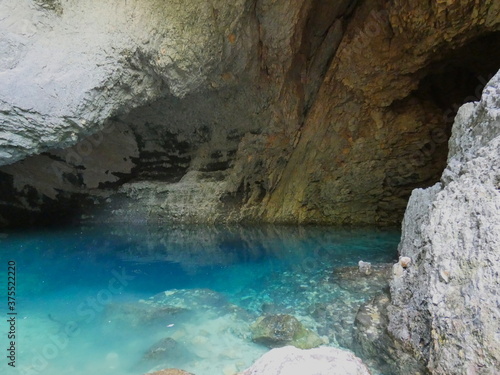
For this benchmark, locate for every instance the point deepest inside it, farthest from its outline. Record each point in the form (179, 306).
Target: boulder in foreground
(171, 371)
(320, 361)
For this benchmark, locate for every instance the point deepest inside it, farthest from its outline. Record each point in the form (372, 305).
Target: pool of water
(86, 297)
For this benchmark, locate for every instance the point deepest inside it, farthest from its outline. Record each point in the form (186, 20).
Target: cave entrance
(461, 75)
(454, 78)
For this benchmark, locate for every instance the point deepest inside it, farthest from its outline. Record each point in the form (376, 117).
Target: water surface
(84, 294)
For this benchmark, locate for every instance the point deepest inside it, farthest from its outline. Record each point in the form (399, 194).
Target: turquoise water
(83, 295)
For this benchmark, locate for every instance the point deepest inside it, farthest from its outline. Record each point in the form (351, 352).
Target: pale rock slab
(320, 361)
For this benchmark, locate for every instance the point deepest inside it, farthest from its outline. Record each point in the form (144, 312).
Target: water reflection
(196, 247)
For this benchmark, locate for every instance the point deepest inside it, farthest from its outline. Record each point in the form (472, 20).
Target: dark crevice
(460, 76)
(457, 77)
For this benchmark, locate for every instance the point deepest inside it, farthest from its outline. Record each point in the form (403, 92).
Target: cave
(460, 76)
(166, 144)
(451, 80)
(196, 187)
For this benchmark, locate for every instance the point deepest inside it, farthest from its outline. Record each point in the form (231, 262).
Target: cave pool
(83, 294)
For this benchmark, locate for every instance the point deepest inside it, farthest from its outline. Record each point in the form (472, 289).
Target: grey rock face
(444, 308)
(68, 67)
(181, 87)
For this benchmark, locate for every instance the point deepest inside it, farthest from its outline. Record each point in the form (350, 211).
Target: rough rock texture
(388, 90)
(355, 280)
(232, 111)
(372, 341)
(319, 361)
(336, 318)
(445, 305)
(67, 68)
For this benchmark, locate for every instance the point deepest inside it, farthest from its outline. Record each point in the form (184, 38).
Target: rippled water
(84, 306)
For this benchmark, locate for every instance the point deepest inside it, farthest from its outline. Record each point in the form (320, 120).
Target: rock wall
(374, 133)
(68, 68)
(444, 308)
(256, 110)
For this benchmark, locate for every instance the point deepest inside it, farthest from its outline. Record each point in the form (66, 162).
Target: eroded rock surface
(66, 68)
(164, 349)
(225, 112)
(444, 308)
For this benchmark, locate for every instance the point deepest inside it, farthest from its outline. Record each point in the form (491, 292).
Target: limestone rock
(319, 361)
(375, 129)
(251, 110)
(405, 262)
(280, 330)
(444, 308)
(170, 372)
(66, 68)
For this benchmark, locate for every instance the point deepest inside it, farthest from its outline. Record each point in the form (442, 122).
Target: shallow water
(78, 293)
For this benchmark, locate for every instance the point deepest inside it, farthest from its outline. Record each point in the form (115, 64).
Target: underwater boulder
(166, 352)
(162, 349)
(191, 299)
(355, 279)
(140, 313)
(281, 330)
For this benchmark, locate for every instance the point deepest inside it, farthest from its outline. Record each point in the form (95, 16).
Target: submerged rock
(280, 330)
(204, 301)
(336, 316)
(209, 336)
(336, 319)
(372, 341)
(363, 279)
(166, 352)
(320, 361)
(140, 313)
(163, 349)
